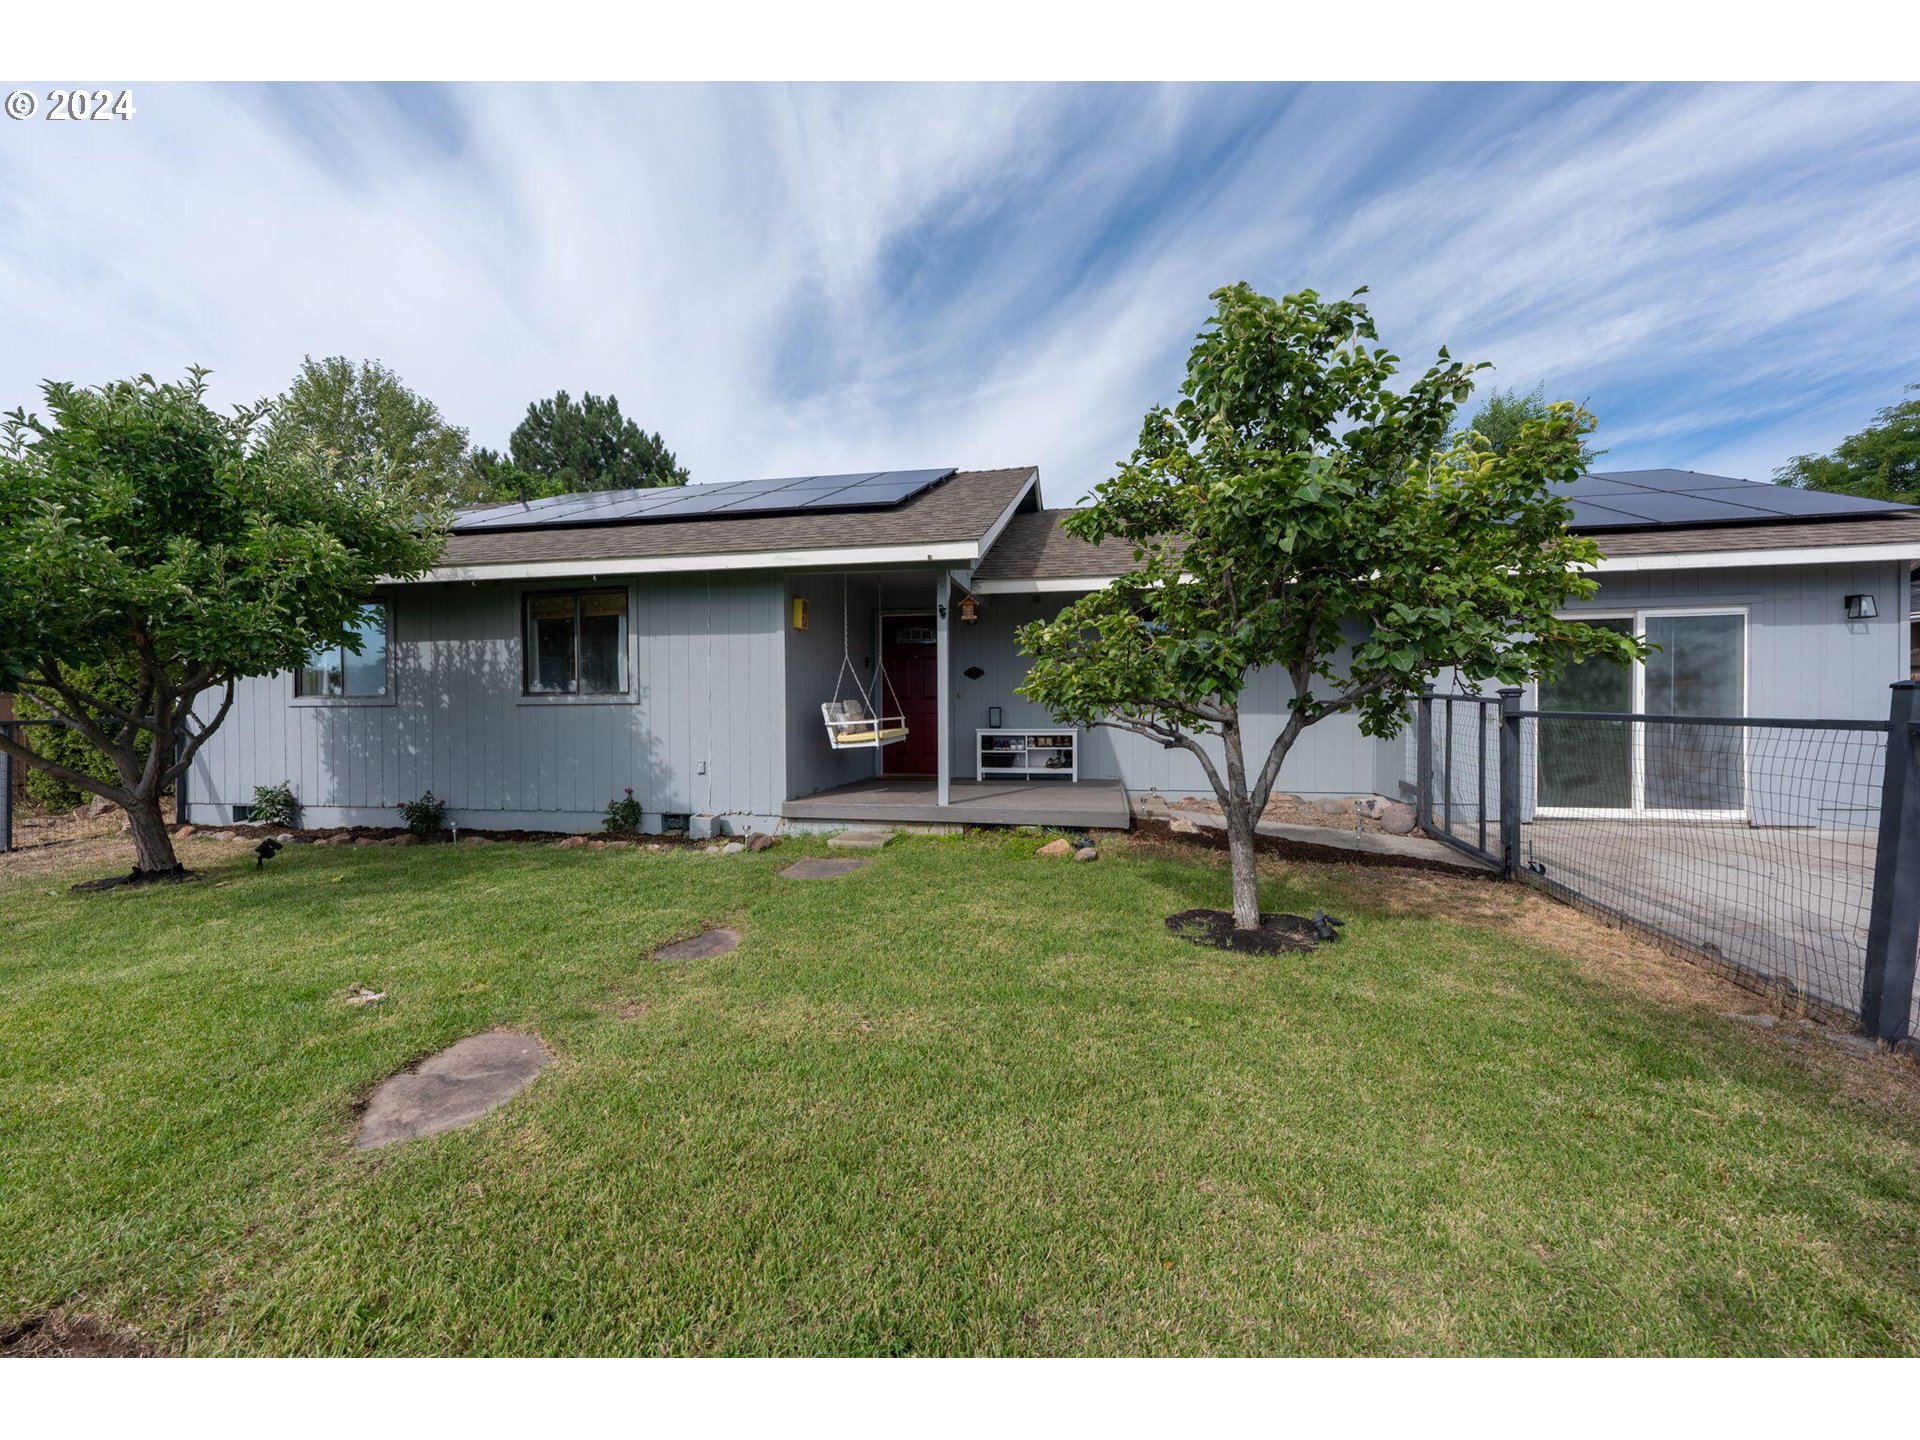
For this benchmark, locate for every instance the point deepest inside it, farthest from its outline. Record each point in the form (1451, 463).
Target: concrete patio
(1787, 902)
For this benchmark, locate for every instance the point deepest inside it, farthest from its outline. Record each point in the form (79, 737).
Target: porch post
(942, 593)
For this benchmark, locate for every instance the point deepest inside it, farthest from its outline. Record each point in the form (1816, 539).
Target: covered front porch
(935, 662)
(1071, 804)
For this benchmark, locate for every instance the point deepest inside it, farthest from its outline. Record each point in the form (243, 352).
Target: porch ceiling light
(1861, 607)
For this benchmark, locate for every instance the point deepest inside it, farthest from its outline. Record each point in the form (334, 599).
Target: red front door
(913, 684)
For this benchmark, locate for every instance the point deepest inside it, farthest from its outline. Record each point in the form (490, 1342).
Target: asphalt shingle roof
(964, 508)
(1034, 547)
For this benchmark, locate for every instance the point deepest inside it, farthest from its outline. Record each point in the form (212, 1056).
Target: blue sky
(784, 279)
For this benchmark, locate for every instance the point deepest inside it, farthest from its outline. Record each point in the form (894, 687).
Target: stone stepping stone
(820, 869)
(860, 840)
(451, 1089)
(703, 946)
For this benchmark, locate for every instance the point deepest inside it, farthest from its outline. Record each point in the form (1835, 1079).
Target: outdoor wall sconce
(1861, 607)
(969, 610)
(799, 612)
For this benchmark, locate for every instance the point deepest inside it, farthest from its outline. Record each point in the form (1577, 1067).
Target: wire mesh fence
(1750, 843)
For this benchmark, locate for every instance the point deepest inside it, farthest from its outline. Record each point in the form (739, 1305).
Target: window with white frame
(575, 642)
(1696, 667)
(349, 669)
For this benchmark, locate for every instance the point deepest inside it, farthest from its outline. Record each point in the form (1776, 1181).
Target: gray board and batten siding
(1331, 759)
(1805, 660)
(700, 729)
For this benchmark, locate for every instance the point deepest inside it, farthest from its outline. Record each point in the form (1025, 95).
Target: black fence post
(1423, 762)
(180, 786)
(1893, 925)
(6, 794)
(1509, 782)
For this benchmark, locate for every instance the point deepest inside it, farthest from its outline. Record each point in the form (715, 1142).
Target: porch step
(860, 840)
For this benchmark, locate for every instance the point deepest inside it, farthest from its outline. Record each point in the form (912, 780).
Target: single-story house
(700, 645)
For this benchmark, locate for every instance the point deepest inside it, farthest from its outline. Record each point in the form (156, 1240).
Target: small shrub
(623, 815)
(425, 816)
(275, 804)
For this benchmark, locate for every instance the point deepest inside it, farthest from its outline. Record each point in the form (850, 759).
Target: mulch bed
(1279, 933)
(70, 1337)
(379, 833)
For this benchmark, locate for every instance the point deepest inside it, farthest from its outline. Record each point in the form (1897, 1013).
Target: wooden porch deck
(1073, 804)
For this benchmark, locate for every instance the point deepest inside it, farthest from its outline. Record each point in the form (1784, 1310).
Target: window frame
(1638, 809)
(385, 695)
(578, 593)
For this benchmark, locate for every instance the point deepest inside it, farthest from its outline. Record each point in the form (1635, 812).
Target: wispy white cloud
(780, 278)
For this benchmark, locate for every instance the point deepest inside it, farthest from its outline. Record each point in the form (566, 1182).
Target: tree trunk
(152, 845)
(1240, 817)
(1246, 878)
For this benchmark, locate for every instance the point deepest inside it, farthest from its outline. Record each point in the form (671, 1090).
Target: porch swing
(851, 723)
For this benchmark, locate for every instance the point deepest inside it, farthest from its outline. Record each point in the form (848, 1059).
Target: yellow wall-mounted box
(799, 612)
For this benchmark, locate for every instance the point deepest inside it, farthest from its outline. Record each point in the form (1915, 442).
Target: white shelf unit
(1024, 753)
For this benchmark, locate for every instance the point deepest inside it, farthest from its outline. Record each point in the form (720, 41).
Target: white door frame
(1638, 809)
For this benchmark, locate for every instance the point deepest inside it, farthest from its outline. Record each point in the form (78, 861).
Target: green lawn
(963, 1101)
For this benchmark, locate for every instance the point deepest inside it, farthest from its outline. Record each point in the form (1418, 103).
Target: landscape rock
(823, 869)
(363, 842)
(732, 848)
(758, 842)
(100, 806)
(1056, 847)
(1855, 1044)
(1181, 826)
(453, 1088)
(1397, 819)
(475, 840)
(573, 842)
(1086, 852)
(183, 831)
(1335, 807)
(221, 835)
(338, 840)
(596, 844)
(703, 946)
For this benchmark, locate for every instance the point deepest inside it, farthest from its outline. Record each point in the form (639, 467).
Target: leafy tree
(148, 539)
(587, 444)
(1881, 462)
(1293, 511)
(1503, 412)
(496, 477)
(365, 411)
(69, 747)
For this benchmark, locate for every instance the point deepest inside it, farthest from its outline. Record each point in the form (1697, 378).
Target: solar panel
(864, 489)
(1645, 499)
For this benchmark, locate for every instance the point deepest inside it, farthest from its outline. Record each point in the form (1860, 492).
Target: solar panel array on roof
(1639, 499)
(862, 490)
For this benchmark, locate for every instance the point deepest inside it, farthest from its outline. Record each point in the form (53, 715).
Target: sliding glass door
(1698, 666)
